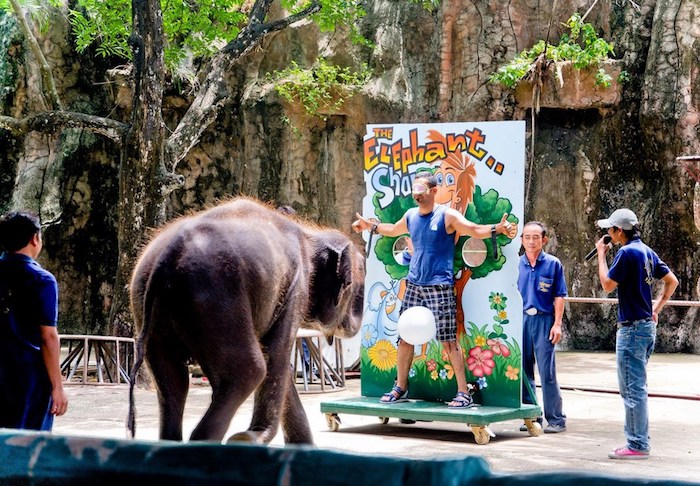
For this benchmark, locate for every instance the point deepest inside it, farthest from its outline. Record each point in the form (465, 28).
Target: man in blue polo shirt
(542, 285)
(632, 273)
(31, 385)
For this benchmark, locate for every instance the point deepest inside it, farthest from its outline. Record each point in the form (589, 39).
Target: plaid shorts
(440, 299)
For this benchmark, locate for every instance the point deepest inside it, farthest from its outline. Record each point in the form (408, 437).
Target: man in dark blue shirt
(31, 385)
(632, 273)
(542, 285)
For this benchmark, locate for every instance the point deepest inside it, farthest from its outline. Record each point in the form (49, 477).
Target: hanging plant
(321, 89)
(581, 46)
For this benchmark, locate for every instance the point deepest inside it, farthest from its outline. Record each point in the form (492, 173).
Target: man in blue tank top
(433, 230)
(632, 273)
(31, 385)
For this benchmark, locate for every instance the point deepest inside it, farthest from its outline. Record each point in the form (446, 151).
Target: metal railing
(606, 300)
(107, 358)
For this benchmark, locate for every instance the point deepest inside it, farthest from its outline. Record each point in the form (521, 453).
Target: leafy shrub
(581, 45)
(324, 87)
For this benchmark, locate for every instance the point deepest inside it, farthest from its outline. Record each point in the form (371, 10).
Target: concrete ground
(594, 410)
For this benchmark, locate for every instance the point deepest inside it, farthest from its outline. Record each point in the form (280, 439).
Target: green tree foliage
(192, 29)
(322, 88)
(581, 45)
(37, 10)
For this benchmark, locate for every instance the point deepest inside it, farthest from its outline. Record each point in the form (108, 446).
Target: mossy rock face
(565, 87)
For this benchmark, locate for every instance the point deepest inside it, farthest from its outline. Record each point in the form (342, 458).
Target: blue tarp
(41, 458)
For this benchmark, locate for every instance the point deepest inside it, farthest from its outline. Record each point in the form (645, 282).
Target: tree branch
(213, 93)
(254, 33)
(280, 24)
(588, 11)
(54, 121)
(259, 11)
(49, 85)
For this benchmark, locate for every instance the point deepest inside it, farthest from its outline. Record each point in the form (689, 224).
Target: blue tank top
(433, 248)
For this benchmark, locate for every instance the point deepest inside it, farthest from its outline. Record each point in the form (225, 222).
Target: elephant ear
(344, 267)
(332, 279)
(341, 256)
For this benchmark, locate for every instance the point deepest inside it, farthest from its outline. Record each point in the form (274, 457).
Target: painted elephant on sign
(229, 287)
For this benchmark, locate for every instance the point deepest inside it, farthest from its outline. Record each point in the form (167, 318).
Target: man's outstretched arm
(386, 229)
(463, 227)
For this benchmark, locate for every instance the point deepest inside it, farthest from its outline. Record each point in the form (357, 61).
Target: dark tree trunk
(146, 174)
(141, 201)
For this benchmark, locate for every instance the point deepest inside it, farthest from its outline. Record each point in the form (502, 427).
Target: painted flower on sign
(449, 371)
(497, 301)
(480, 361)
(383, 355)
(369, 335)
(499, 347)
(512, 373)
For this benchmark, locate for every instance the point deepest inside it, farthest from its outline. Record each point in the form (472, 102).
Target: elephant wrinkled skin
(229, 287)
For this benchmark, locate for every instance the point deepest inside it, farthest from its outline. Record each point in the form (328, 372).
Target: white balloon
(417, 325)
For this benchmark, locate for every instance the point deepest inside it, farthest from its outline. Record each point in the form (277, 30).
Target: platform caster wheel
(407, 421)
(534, 428)
(383, 420)
(481, 435)
(333, 422)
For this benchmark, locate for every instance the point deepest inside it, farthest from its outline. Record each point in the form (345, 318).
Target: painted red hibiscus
(480, 361)
(499, 347)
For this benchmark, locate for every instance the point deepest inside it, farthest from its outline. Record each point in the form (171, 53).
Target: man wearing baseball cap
(632, 272)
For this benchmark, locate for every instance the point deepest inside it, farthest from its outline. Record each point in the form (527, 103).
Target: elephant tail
(138, 361)
(146, 329)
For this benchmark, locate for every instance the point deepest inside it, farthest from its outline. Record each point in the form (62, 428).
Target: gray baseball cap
(620, 218)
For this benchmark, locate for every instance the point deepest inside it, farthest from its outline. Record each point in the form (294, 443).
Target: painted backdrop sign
(479, 168)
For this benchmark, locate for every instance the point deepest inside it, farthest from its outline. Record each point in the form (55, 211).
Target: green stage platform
(478, 418)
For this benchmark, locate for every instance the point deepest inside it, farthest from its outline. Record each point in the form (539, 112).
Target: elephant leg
(272, 394)
(172, 382)
(295, 423)
(227, 396)
(234, 372)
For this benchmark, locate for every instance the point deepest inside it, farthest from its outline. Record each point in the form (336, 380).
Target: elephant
(229, 287)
